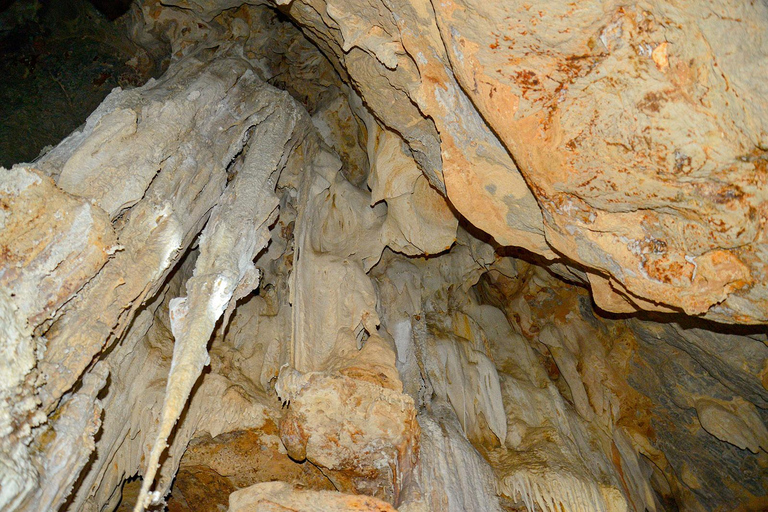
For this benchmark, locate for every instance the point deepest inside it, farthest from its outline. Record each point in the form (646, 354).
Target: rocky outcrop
(627, 141)
(279, 494)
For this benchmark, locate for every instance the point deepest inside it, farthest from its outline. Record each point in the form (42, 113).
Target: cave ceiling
(325, 255)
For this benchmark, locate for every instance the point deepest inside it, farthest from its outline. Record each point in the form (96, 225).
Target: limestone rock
(621, 124)
(282, 496)
(51, 244)
(453, 255)
(370, 449)
(736, 422)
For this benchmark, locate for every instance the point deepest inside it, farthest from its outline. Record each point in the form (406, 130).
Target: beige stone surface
(638, 144)
(280, 496)
(366, 436)
(450, 256)
(51, 244)
(626, 129)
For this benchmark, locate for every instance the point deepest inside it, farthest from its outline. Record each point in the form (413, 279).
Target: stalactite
(224, 272)
(457, 255)
(550, 493)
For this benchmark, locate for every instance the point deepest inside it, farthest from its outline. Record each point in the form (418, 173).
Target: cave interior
(337, 255)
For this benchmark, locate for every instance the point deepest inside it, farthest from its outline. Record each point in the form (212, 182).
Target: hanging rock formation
(399, 255)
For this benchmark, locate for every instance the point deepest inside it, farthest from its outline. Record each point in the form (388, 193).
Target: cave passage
(316, 255)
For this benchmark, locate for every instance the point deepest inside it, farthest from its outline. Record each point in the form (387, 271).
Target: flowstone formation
(398, 255)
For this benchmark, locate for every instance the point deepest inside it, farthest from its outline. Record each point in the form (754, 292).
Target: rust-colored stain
(616, 459)
(652, 102)
(674, 270)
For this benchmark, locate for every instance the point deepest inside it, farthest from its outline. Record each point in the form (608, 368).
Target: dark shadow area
(58, 61)
(112, 9)
(685, 321)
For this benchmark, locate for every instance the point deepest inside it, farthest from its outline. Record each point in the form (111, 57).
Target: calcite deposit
(398, 255)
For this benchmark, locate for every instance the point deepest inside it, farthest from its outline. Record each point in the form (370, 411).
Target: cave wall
(441, 256)
(626, 140)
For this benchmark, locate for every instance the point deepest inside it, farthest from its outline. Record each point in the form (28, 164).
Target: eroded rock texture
(399, 255)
